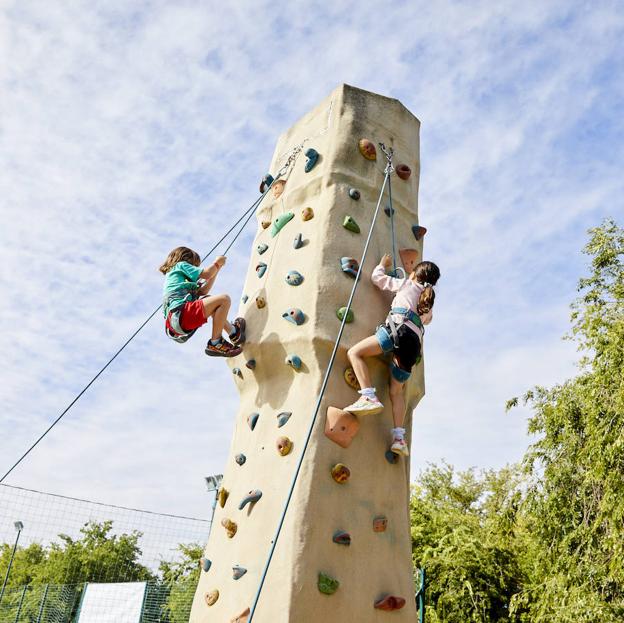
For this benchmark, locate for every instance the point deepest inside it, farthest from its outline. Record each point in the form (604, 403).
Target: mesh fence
(71, 560)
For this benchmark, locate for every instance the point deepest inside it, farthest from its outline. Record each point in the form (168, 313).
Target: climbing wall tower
(344, 549)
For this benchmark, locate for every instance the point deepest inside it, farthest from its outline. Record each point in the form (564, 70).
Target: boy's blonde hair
(180, 254)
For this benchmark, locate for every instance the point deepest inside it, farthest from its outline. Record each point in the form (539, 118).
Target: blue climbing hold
(418, 231)
(251, 498)
(261, 248)
(280, 221)
(238, 572)
(294, 315)
(237, 372)
(282, 418)
(205, 564)
(244, 298)
(389, 210)
(252, 420)
(294, 278)
(240, 459)
(294, 361)
(354, 193)
(312, 158)
(261, 269)
(391, 457)
(267, 180)
(349, 265)
(251, 364)
(298, 242)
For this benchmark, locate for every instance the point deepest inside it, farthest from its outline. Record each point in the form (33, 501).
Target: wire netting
(63, 559)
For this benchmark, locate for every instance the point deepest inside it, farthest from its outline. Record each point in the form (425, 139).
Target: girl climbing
(401, 335)
(187, 306)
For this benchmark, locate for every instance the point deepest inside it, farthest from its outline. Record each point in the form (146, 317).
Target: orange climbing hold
(389, 603)
(284, 445)
(409, 257)
(211, 597)
(340, 473)
(223, 496)
(351, 379)
(341, 427)
(242, 617)
(230, 527)
(278, 188)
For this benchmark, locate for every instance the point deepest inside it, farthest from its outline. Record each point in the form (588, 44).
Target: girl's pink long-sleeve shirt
(407, 295)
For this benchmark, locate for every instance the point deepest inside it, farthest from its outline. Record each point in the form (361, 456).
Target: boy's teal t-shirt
(180, 281)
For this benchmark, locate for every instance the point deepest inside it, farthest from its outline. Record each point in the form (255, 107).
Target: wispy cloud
(126, 130)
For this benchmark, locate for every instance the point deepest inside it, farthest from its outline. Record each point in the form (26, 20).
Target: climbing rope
(246, 216)
(387, 172)
(389, 152)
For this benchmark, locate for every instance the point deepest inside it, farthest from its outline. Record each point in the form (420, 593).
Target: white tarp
(112, 603)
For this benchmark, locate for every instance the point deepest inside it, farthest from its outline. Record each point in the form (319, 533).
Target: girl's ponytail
(427, 274)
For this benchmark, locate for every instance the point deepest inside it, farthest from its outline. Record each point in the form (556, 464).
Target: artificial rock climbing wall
(345, 546)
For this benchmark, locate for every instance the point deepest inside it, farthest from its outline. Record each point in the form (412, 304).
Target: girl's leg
(398, 402)
(368, 347)
(218, 307)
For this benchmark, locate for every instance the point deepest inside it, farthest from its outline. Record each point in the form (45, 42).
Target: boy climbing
(187, 306)
(401, 335)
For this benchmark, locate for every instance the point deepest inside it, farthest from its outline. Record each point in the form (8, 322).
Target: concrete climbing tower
(355, 532)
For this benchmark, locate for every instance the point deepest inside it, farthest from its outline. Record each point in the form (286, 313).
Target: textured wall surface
(375, 563)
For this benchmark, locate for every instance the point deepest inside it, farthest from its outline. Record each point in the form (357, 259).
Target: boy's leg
(218, 307)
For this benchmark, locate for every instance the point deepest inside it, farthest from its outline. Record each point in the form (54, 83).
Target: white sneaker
(399, 447)
(365, 406)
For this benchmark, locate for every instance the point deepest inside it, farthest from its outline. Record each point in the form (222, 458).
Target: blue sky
(127, 130)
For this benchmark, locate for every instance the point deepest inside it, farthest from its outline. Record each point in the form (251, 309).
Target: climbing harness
(244, 218)
(387, 172)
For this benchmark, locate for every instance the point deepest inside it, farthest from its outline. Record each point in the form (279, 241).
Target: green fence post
(43, 601)
(421, 597)
(21, 601)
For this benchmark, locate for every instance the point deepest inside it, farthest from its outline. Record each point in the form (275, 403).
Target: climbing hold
(390, 602)
(251, 364)
(211, 597)
(340, 473)
(260, 302)
(298, 242)
(240, 459)
(349, 265)
(409, 257)
(341, 427)
(294, 315)
(230, 527)
(389, 210)
(267, 180)
(244, 298)
(350, 224)
(261, 248)
(223, 496)
(205, 564)
(251, 498)
(282, 418)
(403, 171)
(326, 584)
(380, 524)
(307, 214)
(261, 269)
(242, 617)
(280, 221)
(284, 445)
(312, 158)
(351, 379)
(391, 457)
(294, 278)
(278, 188)
(341, 314)
(342, 538)
(418, 231)
(294, 361)
(238, 572)
(367, 149)
(354, 193)
(265, 224)
(252, 420)
(237, 372)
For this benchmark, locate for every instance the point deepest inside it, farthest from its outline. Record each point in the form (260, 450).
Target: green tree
(575, 505)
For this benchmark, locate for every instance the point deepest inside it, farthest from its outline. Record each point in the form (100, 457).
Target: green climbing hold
(341, 314)
(326, 584)
(279, 222)
(350, 224)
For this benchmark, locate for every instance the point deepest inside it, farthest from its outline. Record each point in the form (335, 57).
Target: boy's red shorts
(192, 315)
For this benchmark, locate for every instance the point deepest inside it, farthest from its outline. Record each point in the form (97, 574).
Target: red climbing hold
(341, 427)
(403, 171)
(389, 603)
